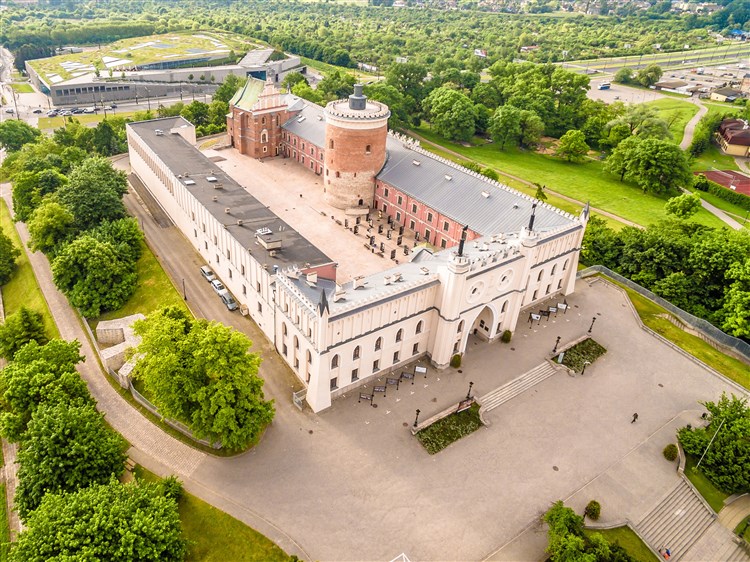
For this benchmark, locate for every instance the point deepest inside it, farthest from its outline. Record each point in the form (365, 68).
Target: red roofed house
(734, 137)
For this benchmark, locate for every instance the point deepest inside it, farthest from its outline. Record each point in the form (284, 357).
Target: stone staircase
(677, 521)
(508, 391)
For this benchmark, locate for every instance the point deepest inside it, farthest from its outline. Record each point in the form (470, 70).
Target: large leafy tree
(683, 206)
(573, 146)
(50, 225)
(505, 125)
(20, 328)
(94, 275)
(39, 374)
(15, 133)
(229, 87)
(727, 458)
(108, 521)
(8, 255)
(658, 166)
(451, 113)
(737, 303)
(649, 75)
(29, 188)
(201, 373)
(66, 447)
(395, 100)
(94, 193)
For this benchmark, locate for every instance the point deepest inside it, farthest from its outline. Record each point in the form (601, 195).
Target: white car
(218, 286)
(10, 110)
(90, 110)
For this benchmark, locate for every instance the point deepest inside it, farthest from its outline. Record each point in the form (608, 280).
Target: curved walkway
(734, 513)
(690, 127)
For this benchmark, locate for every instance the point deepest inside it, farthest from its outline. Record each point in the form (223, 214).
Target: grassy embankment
(628, 540)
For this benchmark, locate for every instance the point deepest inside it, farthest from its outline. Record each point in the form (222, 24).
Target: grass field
(22, 88)
(652, 316)
(83, 119)
(215, 536)
(585, 182)
(325, 69)
(736, 212)
(710, 493)
(675, 112)
(154, 290)
(22, 289)
(627, 539)
(439, 435)
(713, 159)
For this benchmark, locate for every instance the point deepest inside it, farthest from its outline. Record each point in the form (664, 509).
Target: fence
(714, 336)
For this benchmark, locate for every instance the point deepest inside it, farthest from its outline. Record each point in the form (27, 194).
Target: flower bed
(437, 436)
(582, 353)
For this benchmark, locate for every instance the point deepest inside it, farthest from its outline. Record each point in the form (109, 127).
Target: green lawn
(627, 539)
(215, 536)
(735, 211)
(675, 112)
(4, 526)
(326, 69)
(583, 353)
(84, 118)
(719, 107)
(439, 435)
(743, 527)
(652, 316)
(585, 182)
(154, 290)
(23, 88)
(22, 289)
(713, 159)
(710, 493)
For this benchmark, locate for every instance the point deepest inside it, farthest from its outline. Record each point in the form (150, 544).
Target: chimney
(357, 100)
(531, 220)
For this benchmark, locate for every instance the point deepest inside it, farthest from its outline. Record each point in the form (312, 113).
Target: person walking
(635, 418)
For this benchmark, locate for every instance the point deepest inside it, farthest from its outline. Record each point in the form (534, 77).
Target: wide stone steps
(677, 521)
(499, 396)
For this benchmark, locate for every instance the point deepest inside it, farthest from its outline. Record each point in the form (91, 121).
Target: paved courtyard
(353, 484)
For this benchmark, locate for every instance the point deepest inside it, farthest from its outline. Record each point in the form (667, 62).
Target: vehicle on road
(52, 113)
(10, 110)
(218, 286)
(65, 113)
(228, 300)
(37, 110)
(208, 275)
(78, 111)
(90, 110)
(604, 86)
(109, 107)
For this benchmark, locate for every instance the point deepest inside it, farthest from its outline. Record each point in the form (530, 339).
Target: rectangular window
(204, 227)
(427, 234)
(385, 192)
(385, 208)
(443, 243)
(411, 225)
(398, 217)
(334, 383)
(195, 233)
(549, 287)
(193, 215)
(415, 349)
(242, 270)
(413, 208)
(244, 290)
(260, 308)
(296, 363)
(446, 225)
(533, 297)
(257, 286)
(229, 254)
(429, 217)
(376, 366)
(355, 375)
(399, 200)
(216, 241)
(396, 357)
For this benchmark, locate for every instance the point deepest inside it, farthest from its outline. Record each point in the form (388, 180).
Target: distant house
(678, 86)
(725, 94)
(734, 137)
(529, 48)
(745, 84)
(480, 53)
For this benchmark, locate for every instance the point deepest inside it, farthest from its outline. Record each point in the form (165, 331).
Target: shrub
(670, 452)
(171, 487)
(456, 361)
(593, 509)
(505, 338)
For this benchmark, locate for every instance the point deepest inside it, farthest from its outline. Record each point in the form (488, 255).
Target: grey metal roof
(309, 123)
(184, 160)
(468, 198)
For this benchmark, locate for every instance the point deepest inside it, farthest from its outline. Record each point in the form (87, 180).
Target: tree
(451, 113)
(201, 373)
(105, 140)
(50, 225)
(737, 300)
(336, 85)
(649, 75)
(228, 88)
(540, 195)
(505, 125)
(134, 522)
(303, 90)
(291, 79)
(29, 188)
(196, 112)
(94, 275)
(532, 128)
(726, 459)
(66, 447)
(94, 193)
(573, 146)
(658, 166)
(14, 134)
(618, 161)
(20, 328)
(39, 374)
(683, 206)
(624, 75)
(8, 255)
(408, 78)
(395, 101)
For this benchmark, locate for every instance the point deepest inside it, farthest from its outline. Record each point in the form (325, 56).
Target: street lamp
(184, 293)
(556, 344)
(584, 366)
(468, 394)
(592, 324)
(416, 418)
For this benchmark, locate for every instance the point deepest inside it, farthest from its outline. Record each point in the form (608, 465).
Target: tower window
(330, 144)
(368, 149)
(338, 174)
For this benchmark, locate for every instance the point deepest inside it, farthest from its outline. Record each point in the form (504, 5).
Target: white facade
(335, 337)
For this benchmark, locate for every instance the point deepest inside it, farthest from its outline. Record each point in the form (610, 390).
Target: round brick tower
(356, 130)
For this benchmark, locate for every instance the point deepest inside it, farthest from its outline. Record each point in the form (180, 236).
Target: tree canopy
(201, 373)
(8, 255)
(451, 113)
(15, 133)
(573, 146)
(20, 328)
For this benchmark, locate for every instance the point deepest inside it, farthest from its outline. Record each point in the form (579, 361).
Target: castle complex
(469, 257)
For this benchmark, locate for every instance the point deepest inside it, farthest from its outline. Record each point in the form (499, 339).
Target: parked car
(207, 273)
(52, 113)
(109, 107)
(78, 111)
(37, 110)
(90, 110)
(218, 286)
(228, 300)
(65, 113)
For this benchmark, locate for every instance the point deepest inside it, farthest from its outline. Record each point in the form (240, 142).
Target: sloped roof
(246, 97)
(309, 123)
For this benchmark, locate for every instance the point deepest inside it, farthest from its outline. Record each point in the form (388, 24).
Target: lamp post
(468, 394)
(584, 366)
(556, 344)
(416, 418)
(184, 293)
(592, 324)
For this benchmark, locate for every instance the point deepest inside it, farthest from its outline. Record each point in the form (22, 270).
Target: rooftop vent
(239, 222)
(214, 198)
(159, 132)
(263, 231)
(359, 281)
(339, 294)
(515, 205)
(312, 278)
(387, 279)
(397, 277)
(447, 177)
(219, 185)
(227, 210)
(424, 270)
(416, 162)
(485, 194)
(301, 119)
(271, 253)
(320, 117)
(189, 182)
(211, 178)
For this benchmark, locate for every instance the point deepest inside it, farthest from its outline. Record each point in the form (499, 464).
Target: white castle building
(337, 334)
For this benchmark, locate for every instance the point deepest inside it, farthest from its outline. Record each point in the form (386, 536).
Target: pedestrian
(635, 418)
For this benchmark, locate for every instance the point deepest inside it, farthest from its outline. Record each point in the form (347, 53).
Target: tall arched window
(335, 362)
(539, 277)
(399, 335)
(378, 343)
(419, 327)
(283, 329)
(309, 357)
(296, 342)
(355, 354)
(330, 144)
(460, 327)
(505, 306)
(554, 268)
(264, 136)
(565, 265)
